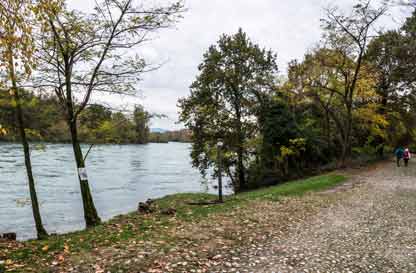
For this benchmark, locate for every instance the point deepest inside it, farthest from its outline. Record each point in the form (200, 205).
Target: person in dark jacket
(399, 153)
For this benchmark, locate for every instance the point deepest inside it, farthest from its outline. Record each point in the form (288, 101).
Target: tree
(392, 56)
(141, 120)
(383, 55)
(346, 37)
(234, 78)
(322, 77)
(277, 126)
(16, 61)
(407, 78)
(408, 53)
(94, 115)
(124, 128)
(82, 55)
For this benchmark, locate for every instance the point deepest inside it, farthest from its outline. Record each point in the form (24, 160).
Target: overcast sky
(289, 28)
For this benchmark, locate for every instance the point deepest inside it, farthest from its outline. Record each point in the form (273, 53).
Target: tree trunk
(328, 130)
(240, 151)
(346, 149)
(343, 154)
(90, 213)
(219, 160)
(240, 168)
(41, 232)
(380, 140)
(346, 145)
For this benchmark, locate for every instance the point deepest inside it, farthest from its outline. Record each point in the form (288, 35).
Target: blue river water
(120, 176)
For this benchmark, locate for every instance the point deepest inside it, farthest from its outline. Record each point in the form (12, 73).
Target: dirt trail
(370, 228)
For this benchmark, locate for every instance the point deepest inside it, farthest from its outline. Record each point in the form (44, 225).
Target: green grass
(299, 187)
(139, 227)
(317, 183)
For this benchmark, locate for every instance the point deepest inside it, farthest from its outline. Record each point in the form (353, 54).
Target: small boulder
(168, 211)
(144, 208)
(11, 236)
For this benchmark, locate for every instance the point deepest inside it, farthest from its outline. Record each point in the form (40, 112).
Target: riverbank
(192, 235)
(124, 174)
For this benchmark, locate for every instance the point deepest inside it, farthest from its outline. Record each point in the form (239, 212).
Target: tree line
(98, 123)
(351, 95)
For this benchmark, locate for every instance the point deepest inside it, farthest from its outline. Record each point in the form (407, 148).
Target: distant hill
(158, 130)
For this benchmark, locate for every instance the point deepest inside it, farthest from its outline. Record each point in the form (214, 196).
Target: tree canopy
(235, 78)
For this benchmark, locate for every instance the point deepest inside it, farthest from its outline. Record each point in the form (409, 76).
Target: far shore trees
(84, 54)
(141, 121)
(234, 78)
(16, 62)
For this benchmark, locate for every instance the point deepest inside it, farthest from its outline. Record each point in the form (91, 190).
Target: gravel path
(371, 228)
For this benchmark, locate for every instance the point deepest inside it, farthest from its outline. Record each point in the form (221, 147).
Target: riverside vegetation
(351, 96)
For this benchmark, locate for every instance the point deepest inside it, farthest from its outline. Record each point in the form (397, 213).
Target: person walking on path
(406, 156)
(399, 153)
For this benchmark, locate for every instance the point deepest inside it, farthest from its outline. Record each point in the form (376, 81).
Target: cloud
(289, 28)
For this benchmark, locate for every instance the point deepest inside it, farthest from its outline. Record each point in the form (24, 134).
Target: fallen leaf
(61, 258)
(66, 248)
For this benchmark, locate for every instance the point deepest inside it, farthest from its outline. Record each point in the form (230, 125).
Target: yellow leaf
(66, 248)
(45, 248)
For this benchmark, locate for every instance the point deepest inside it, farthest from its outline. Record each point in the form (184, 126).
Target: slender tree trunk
(240, 162)
(41, 232)
(380, 141)
(90, 213)
(328, 130)
(344, 154)
(240, 168)
(219, 160)
(240, 152)
(346, 146)
(231, 176)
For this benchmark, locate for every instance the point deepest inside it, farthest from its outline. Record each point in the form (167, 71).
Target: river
(120, 176)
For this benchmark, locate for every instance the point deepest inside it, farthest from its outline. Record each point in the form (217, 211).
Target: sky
(289, 28)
